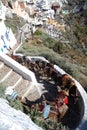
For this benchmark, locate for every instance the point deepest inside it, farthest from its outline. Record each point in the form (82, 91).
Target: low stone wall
(35, 58)
(82, 123)
(27, 74)
(83, 107)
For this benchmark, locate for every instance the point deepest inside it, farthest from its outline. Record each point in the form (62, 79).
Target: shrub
(2, 91)
(48, 124)
(16, 104)
(58, 47)
(13, 103)
(37, 33)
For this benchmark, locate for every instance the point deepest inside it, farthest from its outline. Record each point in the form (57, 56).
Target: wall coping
(26, 73)
(83, 123)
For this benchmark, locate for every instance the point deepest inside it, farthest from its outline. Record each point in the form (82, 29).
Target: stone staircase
(24, 88)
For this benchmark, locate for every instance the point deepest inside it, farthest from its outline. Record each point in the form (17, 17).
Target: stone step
(43, 89)
(4, 72)
(12, 79)
(33, 93)
(1, 64)
(22, 87)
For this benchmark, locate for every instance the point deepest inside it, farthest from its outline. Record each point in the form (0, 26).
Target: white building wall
(7, 38)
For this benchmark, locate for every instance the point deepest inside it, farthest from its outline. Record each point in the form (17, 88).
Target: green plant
(14, 23)
(48, 124)
(37, 32)
(13, 103)
(2, 91)
(16, 104)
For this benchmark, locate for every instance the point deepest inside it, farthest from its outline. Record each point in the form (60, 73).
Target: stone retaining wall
(83, 102)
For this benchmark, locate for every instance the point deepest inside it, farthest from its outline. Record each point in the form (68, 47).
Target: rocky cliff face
(77, 21)
(76, 34)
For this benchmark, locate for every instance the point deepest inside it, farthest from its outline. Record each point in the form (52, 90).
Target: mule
(69, 87)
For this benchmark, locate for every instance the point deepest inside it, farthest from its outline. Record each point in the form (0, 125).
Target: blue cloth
(2, 50)
(12, 96)
(5, 46)
(46, 111)
(7, 34)
(2, 37)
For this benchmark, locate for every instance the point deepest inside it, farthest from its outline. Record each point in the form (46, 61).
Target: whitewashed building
(2, 11)
(7, 38)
